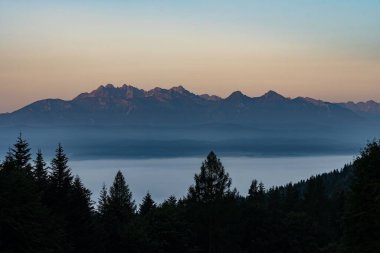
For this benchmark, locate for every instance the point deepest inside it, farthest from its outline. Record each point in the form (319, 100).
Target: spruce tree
(256, 191)
(120, 202)
(21, 154)
(117, 210)
(212, 183)
(60, 177)
(81, 197)
(147, 204)
(209, 201)
(40, 172)
(103, 200)
(8, 163)
(171, 201)
(79, 217)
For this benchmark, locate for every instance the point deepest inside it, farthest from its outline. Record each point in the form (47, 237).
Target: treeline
(46, 209)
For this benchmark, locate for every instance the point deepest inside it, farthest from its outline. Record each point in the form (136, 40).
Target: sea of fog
(172, 176)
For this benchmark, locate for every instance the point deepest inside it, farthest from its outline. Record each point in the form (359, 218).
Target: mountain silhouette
(127, 105)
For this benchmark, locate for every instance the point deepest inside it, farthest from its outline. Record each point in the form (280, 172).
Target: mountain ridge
(127, 104)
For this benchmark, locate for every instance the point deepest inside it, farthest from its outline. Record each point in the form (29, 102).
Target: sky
(325, 49)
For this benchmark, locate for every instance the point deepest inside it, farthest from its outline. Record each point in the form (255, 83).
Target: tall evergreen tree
(40, 172)
(8, 163)
(79, 217)
(256, 191)
(147, 204)
(171, 201)
(120, 202)
(21, 154)
(210, 200)
(117, 210)
(26, 225)
(60, 177)
(81, 196)
(103, 200)
(212, 183)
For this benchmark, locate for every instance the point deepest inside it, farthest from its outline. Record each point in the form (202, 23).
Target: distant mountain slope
(369, 108)
(127, 105)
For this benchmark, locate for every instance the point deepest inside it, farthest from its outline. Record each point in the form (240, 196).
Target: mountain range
(127, 105)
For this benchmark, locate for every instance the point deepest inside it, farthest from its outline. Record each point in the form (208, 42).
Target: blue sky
(324, 49)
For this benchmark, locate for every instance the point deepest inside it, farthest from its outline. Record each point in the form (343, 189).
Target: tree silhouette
(21, 154)
(117, 210)
(60, 177)
(210, 200)
(8, 163)
(120, 202)
(40, 172)
(103, 200)
(212, 183)
(79, 217)
(147, 204)
(256, 191)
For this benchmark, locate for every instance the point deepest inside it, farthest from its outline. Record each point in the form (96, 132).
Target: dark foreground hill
(46, 209)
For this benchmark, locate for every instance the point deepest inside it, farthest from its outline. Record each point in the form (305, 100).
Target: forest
(45, 208)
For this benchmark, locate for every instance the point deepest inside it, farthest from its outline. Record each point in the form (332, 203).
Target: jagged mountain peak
(180, 89)
(367, 107)
(109, 104)
(273, 95)
(111, 91)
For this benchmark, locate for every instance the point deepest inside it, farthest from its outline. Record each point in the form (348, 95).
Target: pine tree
(209, 201)
(79, 216)
(147, 204)
(256, 191)
(103, 200)
(40, 173)
(60, 177)
(81, 197)
(21, 154)
(170, 202)
(117, 210)
(120, 202)
(9, 163)
(212, 183)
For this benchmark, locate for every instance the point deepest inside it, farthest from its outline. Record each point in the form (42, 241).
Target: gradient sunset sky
(324, 49)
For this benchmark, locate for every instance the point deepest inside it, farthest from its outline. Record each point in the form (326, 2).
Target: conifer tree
(81, 196)
(40, 172)
(60, 177)
(79, 217)
(212, 183)
(8, 163)
(209, 200)
(256, 191)
(21, 154)
(103, 200)
(120, 202)
(117, 209)
(171, 201)
(147, 204)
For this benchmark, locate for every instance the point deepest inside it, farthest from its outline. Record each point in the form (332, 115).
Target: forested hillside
(44, 208)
